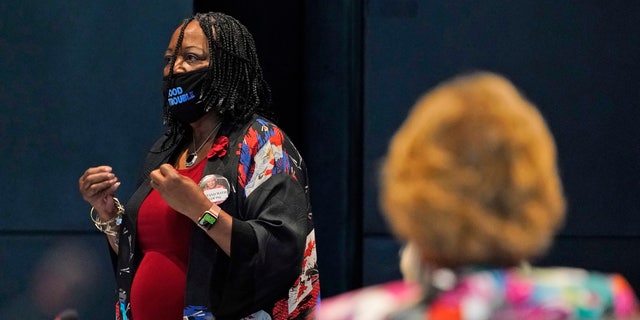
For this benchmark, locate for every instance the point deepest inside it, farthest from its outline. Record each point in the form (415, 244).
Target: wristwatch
(209, 217)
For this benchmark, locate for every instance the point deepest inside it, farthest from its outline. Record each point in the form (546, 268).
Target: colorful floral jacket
(272, 272)
(497, 294)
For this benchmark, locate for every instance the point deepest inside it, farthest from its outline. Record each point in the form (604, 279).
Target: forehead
(193, 36)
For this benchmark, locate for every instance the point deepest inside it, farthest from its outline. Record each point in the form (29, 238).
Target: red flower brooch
(219, 147)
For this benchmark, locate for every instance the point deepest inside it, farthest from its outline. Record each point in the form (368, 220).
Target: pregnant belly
(158, 288)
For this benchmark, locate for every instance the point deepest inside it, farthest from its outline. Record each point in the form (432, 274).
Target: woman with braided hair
(220, 225)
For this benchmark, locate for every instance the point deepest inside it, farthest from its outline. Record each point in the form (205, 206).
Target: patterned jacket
(272, 272)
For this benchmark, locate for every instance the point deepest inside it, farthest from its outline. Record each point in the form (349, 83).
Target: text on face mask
(177, 97)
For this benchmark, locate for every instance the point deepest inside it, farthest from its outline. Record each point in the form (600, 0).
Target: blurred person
(470, 183)
(61, 280)
(67, 314)
(220, 226)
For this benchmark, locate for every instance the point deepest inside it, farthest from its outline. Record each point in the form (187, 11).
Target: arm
(97, 186)
(265, 237)
(186, 197)
(273, 225)
(265, 241)
(269, 248)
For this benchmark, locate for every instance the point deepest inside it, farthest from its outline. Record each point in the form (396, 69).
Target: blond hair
(471, 176)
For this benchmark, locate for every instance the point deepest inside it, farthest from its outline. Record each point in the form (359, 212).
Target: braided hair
(234, 86)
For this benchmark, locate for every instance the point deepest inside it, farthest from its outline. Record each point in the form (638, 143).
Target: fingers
(160, 175)
(113, 188)
(98, 169)
(167, 170)
(155, 176)
(95, 174)
(97, 181)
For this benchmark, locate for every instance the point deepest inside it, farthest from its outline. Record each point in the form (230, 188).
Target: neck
(204, 127)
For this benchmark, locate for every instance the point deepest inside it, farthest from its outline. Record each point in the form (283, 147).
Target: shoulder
(551, 290)
(612, 289)
(261, 138)
(374, 302)
(260, 132)
(265, 150)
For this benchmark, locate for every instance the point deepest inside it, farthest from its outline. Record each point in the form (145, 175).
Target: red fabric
(219, 147)
(159, 284)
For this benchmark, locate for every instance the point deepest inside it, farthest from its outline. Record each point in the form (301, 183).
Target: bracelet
(108, 227)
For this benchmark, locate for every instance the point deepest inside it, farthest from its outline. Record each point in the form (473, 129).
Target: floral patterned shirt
(533, 293)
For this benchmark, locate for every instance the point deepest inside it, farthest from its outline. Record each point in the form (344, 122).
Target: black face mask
(183, 95)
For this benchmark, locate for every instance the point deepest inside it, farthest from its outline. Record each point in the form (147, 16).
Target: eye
(192, 58)
(167, 60)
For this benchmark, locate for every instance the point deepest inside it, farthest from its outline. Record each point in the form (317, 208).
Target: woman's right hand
(98, 186)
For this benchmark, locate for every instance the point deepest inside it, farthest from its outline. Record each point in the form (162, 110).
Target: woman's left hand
(180, 192)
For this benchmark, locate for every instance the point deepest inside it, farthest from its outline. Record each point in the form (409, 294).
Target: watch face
(207, 220)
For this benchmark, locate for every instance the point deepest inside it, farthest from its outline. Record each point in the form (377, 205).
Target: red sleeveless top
(159, 284)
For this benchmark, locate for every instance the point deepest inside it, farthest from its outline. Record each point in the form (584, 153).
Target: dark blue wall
(80, 86)
(578, 62)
